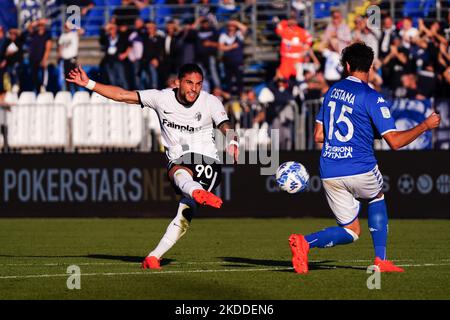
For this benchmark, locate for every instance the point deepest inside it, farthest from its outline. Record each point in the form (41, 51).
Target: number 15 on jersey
(342, 118)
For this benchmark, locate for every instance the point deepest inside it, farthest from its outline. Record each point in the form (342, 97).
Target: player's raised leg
(378, 227)
(182, 177)
(326, 238)
(176, 229)
(346, 209)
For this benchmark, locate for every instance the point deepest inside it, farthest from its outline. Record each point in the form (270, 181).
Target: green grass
(217, 259)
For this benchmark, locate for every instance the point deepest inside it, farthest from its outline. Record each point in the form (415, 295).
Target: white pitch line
(424, 265)
(171, 263)
(143, 273)
(193, 271)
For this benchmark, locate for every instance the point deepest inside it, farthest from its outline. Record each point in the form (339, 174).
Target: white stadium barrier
(11, 98)
(63, 98)
(27, 97)
(44, 98)
(98, 98)
(110, 125)
(37, 127)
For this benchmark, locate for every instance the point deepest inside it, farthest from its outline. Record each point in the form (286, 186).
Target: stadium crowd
(412, 58)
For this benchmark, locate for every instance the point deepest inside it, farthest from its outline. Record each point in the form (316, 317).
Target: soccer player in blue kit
(351, 117)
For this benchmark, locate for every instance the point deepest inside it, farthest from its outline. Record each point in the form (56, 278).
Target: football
(292, 177)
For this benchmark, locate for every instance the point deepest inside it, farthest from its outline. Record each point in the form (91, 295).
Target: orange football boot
(300, 248)
(386, 266)
(151, 262)
(207, 198)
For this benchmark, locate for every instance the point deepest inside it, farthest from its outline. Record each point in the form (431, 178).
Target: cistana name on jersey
(343, 95)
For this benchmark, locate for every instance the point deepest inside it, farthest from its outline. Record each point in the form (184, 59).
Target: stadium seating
(106, 125)
(97, 98)
(42, 122)
(27, 97)
(44, 127)
(63, 98)
(44, 98)
(81, 97)
(11, 97)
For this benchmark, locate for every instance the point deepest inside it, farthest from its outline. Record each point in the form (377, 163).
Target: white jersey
(185, 129)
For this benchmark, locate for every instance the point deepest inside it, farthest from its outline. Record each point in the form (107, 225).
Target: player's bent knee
(189, 208)
(355, 235)
(175, 168)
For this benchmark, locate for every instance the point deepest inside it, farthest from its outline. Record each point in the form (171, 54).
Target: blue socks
(378, 226)
(331, 237)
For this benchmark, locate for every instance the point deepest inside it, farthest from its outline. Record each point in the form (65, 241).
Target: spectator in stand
(128, 12)
(310, 64)
(153, 53)
(207, 43)
(279, 112)
(171, 52)
(222, 95)
(172, 82)
(226, 10)
(40, 45)
(314, 87)
(14, 58)
(115, 47)
(408, 33)
(68, 51)
(333, 68)
(446, 26)
(135, 53)
(388, 32)
(367, 35)
(408, 88)
(3, 43)
(207, 11)
(187, 41)
(253, 112)
(299, 6)
(4, 108)
(182, 11)
(310, 80)
(395, 64)
(433, 43)
(295, 44)
(231, 43)
(431, 61)
(338, 30)
(85, 5)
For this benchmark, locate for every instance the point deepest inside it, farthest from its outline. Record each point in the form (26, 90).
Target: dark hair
(359, 56)
(189, 68)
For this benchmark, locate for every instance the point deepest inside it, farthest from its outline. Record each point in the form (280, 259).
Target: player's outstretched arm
(399, 139)
(80, 78)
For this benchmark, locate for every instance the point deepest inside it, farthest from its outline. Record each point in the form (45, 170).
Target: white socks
(177, 227)
(185, 182)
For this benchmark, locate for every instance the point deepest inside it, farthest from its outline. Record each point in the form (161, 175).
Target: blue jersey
(353, 115)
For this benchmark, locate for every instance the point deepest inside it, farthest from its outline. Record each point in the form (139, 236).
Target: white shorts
(342, 193)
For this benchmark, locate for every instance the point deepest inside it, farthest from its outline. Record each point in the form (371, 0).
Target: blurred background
(270, 62)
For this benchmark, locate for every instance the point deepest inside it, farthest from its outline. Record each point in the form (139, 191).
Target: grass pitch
(217, 259)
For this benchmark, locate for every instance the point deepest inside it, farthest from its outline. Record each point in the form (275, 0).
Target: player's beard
(184, 97)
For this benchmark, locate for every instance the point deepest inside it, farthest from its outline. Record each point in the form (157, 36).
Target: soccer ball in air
(292, 177)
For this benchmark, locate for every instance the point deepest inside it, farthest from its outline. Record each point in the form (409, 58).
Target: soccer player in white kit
(186, 116)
